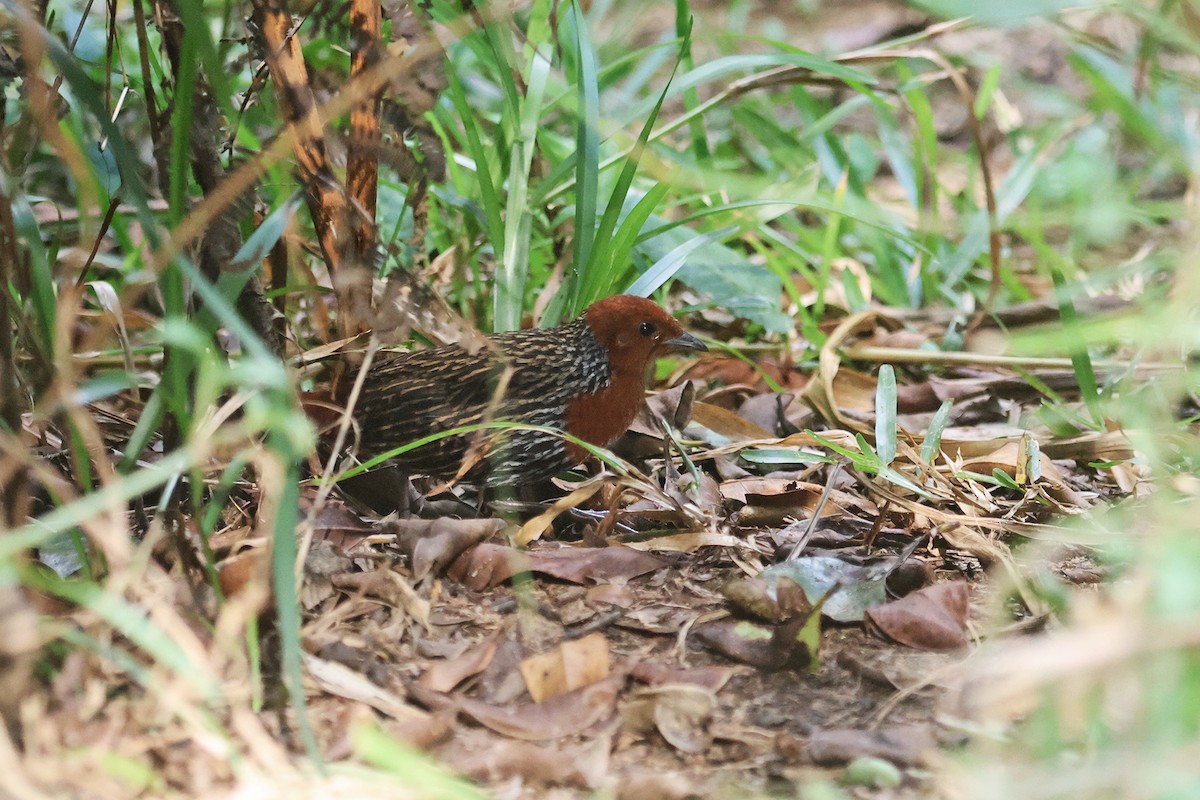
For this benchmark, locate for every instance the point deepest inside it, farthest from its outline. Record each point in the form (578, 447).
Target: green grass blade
(885, 414)
(691, 99)
(602, 270)
(629, 233)
(932, 445)
(1080, 358)
(587, 148)
(287, 603)
(484, 172)
(666, 267)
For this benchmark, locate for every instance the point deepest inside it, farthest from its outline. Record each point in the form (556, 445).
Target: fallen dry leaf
(854, 587)
(769, 412)
(536, 527)
(769, 596)
(483, 756)
(432, 545)
(487, 565)
(655, 674)
(565, 715)
(768, 647)
(337, 524)
(444, 675)
(686, 542)
(572, 665)
(727, 425)
(490, 564)
(906, 746)
(340, 680)
(645, 436)
(681, 713)
(933, 618)
(390, 587)
(611, 594)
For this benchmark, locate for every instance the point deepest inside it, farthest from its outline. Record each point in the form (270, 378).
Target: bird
(586, 377)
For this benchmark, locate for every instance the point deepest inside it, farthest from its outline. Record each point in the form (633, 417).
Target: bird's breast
(600, 417)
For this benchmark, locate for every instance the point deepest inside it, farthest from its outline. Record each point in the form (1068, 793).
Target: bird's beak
(686, 341)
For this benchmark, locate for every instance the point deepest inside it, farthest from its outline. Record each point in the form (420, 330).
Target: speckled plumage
(585, 377)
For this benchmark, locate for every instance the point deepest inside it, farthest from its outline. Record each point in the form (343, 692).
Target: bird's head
(634, 330)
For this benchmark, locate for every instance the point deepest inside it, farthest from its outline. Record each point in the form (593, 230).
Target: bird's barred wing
(549, 372)
(424, 392)
(433, 391)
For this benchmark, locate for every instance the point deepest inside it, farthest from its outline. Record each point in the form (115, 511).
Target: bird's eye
(646, 329)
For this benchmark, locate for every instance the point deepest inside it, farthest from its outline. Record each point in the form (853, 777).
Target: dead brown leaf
(565, 715)
(432, 545)
(681, 713)
(768, 596)
(655, 674)
(483, 756)
(390, 587)
(727, 425)
(933, 618)
(572, 665)
(490, 565)
(767, 647)
(444, 675)
(906, 746)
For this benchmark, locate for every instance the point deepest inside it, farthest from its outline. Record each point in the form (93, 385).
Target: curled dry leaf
(854, 588)
(788, 492)
(251, 567)
(534, 528)
(833, 388)
(487, 565)
(904, 745)
(323, 560)
(592, 564)
(769, 412)
(490, 565)
(337, 524)
(681, 713)
(389, 587)
(483, 756)
(1007, 458)
(340, 680)
(916, 398)
(687, 542)
(722, 426)
(904, 669)
(501, 683)
(658, 618)
(565, 715)
(793, 643)
(433, 544)
(572, 665)
(854, 391)
(444, 675)
(980, 440)
(768, 596)
(654, 674)
(326, 559)
(611, 594)
(645, 436)
(933, 618)
(901, 339)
